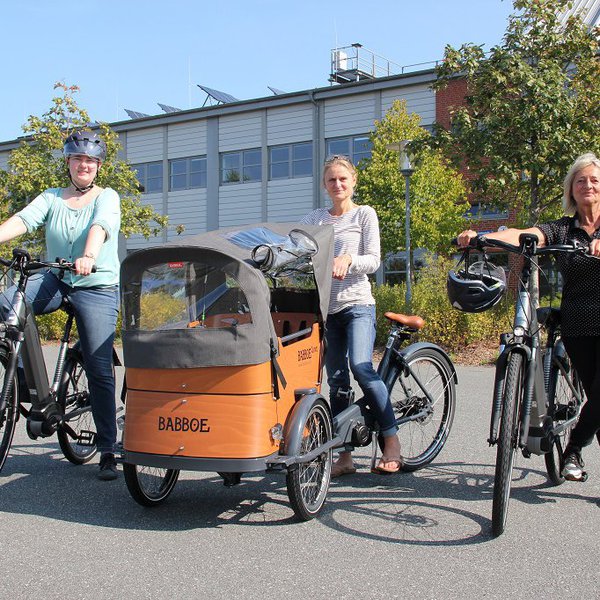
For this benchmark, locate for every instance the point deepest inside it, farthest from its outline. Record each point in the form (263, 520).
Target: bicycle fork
(532, 413)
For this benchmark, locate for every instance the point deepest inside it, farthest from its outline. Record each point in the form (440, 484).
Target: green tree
(532, 106)
(38, 164)
(437, 193)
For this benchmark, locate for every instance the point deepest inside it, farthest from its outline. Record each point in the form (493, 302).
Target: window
(356, 148)
(185, 295)
(187, 173)
(150, 176)
(394, 265)
(482, 212)
(241, 167)
(293, 160)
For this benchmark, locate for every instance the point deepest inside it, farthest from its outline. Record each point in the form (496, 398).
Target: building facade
(257, 160)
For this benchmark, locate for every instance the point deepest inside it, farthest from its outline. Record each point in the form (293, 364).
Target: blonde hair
(581, 162)
(338, 159)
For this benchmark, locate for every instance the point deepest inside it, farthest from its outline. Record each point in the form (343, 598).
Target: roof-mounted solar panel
(276, 91)
(169, 109)
(134, 114)
(220, 97)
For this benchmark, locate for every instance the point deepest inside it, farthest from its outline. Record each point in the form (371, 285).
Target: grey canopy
(168, 292)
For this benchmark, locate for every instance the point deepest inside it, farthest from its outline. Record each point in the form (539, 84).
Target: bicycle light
(519, 331)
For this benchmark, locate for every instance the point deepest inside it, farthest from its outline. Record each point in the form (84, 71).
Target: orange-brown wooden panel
(201, 426)
(247, 379)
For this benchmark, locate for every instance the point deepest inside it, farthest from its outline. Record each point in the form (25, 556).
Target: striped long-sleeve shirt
(355, 233)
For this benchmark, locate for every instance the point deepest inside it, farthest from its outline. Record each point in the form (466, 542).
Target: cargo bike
(223, 346)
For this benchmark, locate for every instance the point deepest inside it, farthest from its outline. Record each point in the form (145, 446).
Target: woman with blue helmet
(82, 226)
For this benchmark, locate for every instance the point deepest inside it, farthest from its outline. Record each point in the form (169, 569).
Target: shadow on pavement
(434, 506)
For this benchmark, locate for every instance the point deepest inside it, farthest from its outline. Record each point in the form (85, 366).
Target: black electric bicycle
(537, 393)
(421, 381)
(61, 406)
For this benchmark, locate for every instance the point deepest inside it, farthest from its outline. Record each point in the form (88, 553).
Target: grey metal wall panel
(349, 116)
(240, 204)
(187, 208)
(4, 160)
(240, 132)
(419, 99)
(287, 125)
(289, 199)
(187, 139)
(138, 241)
(145, 145)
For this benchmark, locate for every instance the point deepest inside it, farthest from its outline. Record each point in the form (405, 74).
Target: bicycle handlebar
(23, 263)
(481, 242)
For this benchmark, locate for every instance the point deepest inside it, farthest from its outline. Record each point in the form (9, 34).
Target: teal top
(67, 230)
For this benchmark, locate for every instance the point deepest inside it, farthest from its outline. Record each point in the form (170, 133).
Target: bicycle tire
(149, 486)
(8, 417)
(308, 483)
(507, 441)
(422, 439)
(74, 400)
(562, 405)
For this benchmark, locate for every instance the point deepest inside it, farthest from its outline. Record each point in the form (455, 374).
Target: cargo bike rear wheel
(149, 486)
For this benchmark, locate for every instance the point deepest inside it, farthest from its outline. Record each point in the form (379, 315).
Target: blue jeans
(96, 311)
(350, 336)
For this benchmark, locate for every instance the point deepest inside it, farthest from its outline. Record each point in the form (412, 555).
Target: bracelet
(89, 255)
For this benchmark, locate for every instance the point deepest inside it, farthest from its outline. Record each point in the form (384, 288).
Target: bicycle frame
(535, 425)
(349, 422)
(21, 333)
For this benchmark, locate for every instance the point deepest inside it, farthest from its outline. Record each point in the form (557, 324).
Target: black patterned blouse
(580, 306)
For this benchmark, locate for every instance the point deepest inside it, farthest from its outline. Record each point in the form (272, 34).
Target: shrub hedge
(444, 325)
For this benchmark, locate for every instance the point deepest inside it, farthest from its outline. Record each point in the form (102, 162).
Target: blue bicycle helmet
(86, 143)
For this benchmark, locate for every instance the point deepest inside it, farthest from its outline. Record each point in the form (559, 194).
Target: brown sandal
(380, 469)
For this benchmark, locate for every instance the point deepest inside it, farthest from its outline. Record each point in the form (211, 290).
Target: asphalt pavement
(65, 534)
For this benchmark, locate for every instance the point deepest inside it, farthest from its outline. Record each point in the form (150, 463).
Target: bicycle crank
(44, 423)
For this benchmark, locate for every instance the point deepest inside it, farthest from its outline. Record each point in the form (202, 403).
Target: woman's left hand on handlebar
(594, 248)
(463, 238)
(84, 265)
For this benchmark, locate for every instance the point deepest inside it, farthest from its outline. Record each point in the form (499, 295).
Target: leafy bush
(51, 327)
(444, 325)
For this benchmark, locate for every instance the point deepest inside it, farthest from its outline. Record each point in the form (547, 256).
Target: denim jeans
(350, 336)
(96, 311)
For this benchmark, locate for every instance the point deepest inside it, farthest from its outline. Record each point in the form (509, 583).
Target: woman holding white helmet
(82, 225)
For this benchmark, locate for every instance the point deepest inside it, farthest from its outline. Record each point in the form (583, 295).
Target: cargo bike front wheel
(308, 482)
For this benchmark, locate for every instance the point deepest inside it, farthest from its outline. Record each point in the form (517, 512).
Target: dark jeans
(350, 337)
(584, 352)
(96, 311)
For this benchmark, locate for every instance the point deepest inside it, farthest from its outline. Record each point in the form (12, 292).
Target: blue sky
(135, 53)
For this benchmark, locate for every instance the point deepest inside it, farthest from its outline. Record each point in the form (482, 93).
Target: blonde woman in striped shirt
(350, 330)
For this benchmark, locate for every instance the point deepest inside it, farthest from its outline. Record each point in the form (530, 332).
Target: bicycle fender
(410, 350)
(294, 424)
(522, 348)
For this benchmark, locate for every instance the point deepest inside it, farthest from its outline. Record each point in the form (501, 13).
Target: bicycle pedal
(86, 438)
